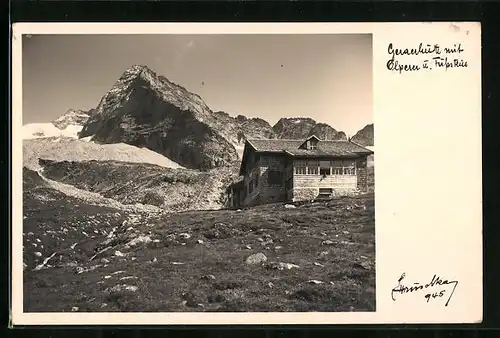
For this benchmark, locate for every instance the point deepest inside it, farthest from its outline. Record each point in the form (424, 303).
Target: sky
(326, 77)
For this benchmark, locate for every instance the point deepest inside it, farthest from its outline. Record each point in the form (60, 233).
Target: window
(312, 144)
(348, 163)
(264, 161)
(337, 168)
(349, 171)
(343, 167)
(324, 169)
(300, 167)
(337, 171)
(325, 191)
(312, 170)
(274, 177)
(349, 167)
(312, 167)
(300, 170)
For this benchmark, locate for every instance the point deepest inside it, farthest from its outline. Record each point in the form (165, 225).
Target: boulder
(257, 258)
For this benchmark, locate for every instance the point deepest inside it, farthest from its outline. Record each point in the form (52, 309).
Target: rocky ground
(128, 183)
(82, 254)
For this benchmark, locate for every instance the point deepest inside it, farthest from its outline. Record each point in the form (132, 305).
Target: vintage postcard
(231, 173)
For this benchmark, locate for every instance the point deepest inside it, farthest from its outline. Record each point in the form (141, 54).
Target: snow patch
(239, 150)
(70, 149)
(87, 138)
(43, 130)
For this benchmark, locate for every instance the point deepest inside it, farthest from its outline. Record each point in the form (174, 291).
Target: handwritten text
(437, 287)
(425, 57)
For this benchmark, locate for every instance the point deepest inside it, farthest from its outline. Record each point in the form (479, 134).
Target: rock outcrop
(326, 132)
(302, 127)
(364, 136)
(72, 117)
(240, 128)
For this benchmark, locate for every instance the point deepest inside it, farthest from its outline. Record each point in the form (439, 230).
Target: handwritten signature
(436, 282)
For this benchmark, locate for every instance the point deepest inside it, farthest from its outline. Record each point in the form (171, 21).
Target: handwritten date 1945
(442, 286)
(430, 296)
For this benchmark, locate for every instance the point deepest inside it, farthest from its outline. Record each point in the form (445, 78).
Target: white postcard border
(427, 222)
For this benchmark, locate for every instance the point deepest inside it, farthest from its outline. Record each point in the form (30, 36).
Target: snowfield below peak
(70, 149)
(42, 130)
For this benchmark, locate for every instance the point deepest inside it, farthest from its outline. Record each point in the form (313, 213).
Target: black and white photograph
(198, 173)
(224, 173)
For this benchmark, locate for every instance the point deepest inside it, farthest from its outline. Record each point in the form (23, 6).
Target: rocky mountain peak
(137, 71)
(72, 117)
(139, 68)
(138, 79)
(144, 109)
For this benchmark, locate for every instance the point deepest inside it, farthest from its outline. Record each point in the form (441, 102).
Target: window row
(324, 171)
(334, 163)
(325, 168)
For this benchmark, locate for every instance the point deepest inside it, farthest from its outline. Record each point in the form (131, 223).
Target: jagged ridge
(302, 127)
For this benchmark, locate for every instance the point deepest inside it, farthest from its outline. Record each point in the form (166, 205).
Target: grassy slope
(163, 286)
